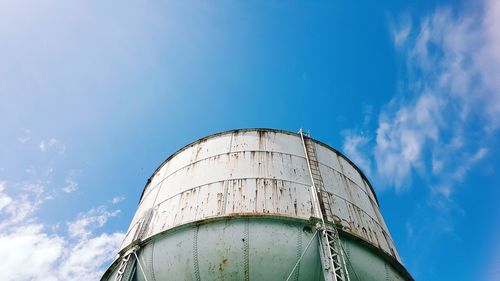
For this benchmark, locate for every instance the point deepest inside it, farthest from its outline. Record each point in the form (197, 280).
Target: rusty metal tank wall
(259, 177)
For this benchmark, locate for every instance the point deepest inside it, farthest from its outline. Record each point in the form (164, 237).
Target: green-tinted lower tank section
(365, 263)
(249, 249)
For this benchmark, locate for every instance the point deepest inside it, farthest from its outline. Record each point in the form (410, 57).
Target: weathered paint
(253, 174)
(257, 172)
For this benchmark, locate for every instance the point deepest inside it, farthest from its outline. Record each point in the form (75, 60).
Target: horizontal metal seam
(195, 255)
(227, 153)
(231, 179)
(214, 156)
(342, 173)
(306, 185)
(374, 220)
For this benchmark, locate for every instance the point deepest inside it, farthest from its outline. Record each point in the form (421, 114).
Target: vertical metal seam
(195, 255)
(299, 252)
(246, 254)
(160, 184)
(151, 265)
(386, 272)
(224, 198)
(231, 142)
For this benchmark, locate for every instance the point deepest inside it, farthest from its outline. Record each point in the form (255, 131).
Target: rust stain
(261, 134)
(197, 152)
(223, 264)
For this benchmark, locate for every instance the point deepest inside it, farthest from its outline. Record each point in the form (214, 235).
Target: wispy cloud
(117, 199)
(403, 135)
(46, 144)
(25, 137)
(5, 200)
(52, 144)
(355, 146)
(401, 32)
(71, 186)
(85, 259)
(20, 209)
(70, 181)
(95, 218)
(449, 104)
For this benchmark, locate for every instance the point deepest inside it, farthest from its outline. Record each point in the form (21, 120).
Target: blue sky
(94, 95)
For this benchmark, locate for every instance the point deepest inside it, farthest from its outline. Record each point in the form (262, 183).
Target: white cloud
(402, 136)
(87, 222)
(401, 33)
(71, 186)
(29, 253)
(46, 144)
(451, 85)
(410, 231)
(443, 190)
(62, 149)
(33, 251)
(71, 183)
(117, 199)
(20, 210)
(25, 137)
(5, 199)
(85, 259)
(353, 147)
(467, 163)
(367, 112)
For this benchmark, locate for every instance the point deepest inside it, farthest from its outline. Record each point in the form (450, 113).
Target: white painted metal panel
(351, 172)
(146, 203)
(369, 191)
(266, 141)
(328, 157)
(238, 165)
(334, 181)
(359, 198)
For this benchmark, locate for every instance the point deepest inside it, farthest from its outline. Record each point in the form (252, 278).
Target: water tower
(260, 205)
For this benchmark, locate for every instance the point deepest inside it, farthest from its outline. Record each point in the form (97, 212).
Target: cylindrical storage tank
(239, 205)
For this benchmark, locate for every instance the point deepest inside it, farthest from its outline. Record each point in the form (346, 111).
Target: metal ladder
(332, 258)
(322, 195)
(126, 269)
(339, 269)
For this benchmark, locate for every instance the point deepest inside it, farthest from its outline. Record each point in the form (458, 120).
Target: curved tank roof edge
(256, 130)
